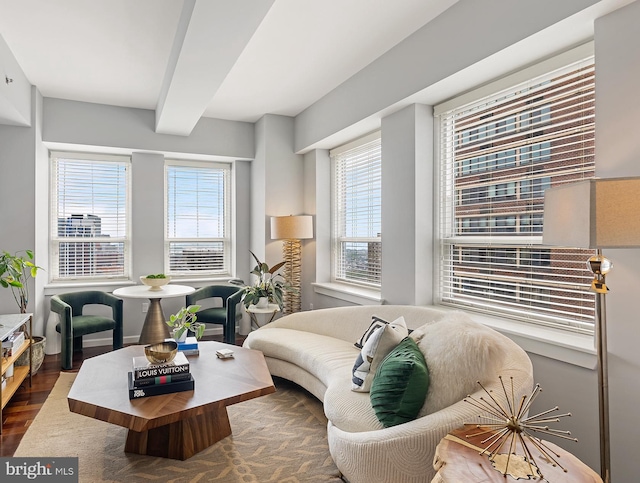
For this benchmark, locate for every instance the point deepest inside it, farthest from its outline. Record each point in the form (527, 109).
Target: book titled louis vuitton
(143, 369)
(136, 392)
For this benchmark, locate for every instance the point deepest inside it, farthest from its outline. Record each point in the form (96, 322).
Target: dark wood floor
(27, 401)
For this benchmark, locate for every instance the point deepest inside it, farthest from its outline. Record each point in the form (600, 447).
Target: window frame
(226, 240)
(55, 240)
(370, 143)
(497, 240)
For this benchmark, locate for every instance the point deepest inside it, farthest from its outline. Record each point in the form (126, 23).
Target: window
(357, 193)
(197, 236)
(498, 154)
(90, 236)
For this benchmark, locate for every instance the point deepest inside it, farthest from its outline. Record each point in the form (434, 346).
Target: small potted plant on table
(185, 321)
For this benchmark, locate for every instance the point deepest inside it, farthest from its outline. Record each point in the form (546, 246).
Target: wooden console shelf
(8, 325)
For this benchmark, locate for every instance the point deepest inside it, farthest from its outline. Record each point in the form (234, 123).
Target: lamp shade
(291, 227)
(595, 213)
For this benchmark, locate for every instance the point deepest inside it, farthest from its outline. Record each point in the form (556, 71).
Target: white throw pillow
(459, 352)
(376, 323)
(381, 341)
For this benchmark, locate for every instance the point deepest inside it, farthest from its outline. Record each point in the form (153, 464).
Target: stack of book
(12, 343)
(149, 379)
(189, 347)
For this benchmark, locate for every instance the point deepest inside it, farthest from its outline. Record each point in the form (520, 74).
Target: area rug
(276, 438)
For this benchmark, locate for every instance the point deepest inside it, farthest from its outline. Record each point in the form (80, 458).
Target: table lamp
(596, 213)
(291, 229)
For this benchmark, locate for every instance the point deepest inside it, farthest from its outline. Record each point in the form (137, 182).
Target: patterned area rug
(276, 438)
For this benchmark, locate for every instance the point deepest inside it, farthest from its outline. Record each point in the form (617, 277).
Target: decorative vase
(182, 338)
(263, 302)
(38, 354)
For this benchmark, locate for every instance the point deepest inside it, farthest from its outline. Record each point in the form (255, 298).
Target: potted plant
(184, 321)
(15, 271)
(268, 288)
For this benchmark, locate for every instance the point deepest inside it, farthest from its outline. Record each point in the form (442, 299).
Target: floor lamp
(291, 229)
(596, 213)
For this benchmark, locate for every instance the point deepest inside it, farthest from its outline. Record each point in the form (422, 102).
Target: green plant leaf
(193, 308)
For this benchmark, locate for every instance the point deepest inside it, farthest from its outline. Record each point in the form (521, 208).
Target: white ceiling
(232, 59)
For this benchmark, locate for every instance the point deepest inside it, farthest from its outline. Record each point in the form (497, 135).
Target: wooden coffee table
(176, 425)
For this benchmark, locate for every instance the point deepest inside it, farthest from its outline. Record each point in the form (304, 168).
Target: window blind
(357, 198)
(197, 219)
(89, 220)
(498, 155)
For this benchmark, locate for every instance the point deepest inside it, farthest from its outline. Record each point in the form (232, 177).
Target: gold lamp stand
(600, 266)
(291, 229)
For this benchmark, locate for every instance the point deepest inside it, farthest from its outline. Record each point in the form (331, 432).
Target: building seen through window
(356, 214)
(498, 156)
(90, 209)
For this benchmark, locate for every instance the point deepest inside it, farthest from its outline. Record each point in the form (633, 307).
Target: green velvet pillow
(400, 385)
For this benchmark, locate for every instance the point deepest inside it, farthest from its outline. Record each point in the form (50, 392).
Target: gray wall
(18, 149)
(474, 31)
(96, 125)
(618, 154)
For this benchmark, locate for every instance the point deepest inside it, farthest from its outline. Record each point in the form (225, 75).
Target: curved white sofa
(316, 350)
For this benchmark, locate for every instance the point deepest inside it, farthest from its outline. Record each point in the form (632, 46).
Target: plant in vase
(15, 271)
(268, 288)
(185, 321)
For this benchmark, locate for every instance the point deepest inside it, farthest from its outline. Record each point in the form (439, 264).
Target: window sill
(65, 287)
(349, 293)
(576, 349)
(110, 286)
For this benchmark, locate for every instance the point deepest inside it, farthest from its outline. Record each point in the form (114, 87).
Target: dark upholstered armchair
(73, 324)
(226, 315)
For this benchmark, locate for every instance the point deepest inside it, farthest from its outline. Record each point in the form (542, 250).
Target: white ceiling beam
(209, 38)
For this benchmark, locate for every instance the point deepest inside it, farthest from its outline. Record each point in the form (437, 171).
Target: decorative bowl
(155, 283)
(161, 352)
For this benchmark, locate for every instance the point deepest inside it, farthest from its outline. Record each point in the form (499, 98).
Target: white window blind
(197, 218)
(357, 196)
(498, 155)
(89, 217)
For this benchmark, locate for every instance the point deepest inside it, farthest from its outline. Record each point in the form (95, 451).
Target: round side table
(458, 458)
(154, 329)
(269, 312)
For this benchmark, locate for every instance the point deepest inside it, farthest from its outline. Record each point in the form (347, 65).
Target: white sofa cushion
(349, 410)
(459, 353)
(323, 356)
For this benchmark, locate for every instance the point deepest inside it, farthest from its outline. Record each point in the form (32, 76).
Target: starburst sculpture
(508, 426)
